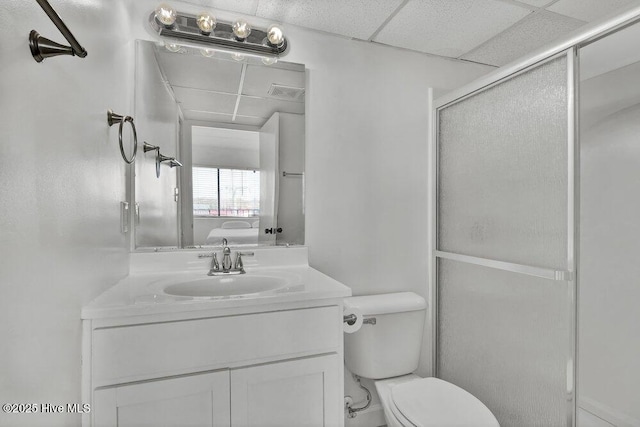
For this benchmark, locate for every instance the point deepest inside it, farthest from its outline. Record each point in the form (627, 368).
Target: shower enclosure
(506, 207)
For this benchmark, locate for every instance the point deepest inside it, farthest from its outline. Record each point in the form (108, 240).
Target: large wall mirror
(236, 124)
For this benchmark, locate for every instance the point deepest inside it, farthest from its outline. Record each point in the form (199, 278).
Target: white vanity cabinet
(292, 393)
(194, 400)
(281, 367)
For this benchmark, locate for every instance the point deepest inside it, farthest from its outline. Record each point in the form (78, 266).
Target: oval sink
(226, 286)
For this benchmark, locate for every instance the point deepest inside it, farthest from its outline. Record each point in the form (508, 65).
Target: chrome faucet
(226, 257)
(227, 267)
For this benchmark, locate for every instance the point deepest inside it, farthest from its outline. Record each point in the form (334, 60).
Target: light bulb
(166, 14)
(275, 36)
(206, 22)
(172, 47)
(266, 60)
(241, 29)
(208, 53)
(238, 57)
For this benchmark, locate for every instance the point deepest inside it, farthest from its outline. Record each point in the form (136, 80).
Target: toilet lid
(434, 402)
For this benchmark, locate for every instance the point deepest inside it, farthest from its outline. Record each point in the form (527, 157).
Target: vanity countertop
(143, 291)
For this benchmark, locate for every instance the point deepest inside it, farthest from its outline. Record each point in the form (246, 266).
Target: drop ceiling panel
(264, 107)
(199, 72)
(525, 36)
(589, 10)
(258, 80)
(353, 18)
(193, 99)
(449, 28)
(247, 7)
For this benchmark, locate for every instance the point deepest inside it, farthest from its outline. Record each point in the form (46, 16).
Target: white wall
(609, 352)
(62, 182)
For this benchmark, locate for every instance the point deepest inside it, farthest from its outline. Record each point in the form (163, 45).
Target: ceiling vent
(288, 93)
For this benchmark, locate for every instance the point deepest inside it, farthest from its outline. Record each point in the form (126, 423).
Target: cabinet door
(190, 401)
(302, 392)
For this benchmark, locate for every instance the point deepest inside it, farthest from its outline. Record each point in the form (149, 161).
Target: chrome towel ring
(113, 118)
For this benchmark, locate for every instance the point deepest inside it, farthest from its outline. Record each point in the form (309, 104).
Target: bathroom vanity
(271, 355)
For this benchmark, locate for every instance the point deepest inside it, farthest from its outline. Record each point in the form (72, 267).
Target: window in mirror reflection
(219, 192)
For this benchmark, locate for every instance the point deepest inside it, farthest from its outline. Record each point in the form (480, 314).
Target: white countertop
(142, 292)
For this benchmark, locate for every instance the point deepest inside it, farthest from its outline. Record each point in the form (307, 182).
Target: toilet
(388, 351)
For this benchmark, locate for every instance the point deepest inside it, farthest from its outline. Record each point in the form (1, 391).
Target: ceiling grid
(492, 32)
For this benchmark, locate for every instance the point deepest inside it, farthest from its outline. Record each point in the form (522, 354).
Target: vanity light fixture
(275, 35)
(206, 32)
(241, 29)
(206, 22)
(166, 15)
(42, 47)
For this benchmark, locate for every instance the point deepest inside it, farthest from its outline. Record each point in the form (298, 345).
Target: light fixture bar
(185, 28)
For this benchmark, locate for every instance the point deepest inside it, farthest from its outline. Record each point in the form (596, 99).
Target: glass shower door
(504, 282)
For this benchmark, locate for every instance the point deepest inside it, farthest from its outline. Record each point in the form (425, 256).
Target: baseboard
(607, 413)
(373, 416)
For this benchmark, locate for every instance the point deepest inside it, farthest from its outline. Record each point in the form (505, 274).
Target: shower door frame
(569, 48)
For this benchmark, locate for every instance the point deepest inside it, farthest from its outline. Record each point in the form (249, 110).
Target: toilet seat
(401, 419)
(428, 402)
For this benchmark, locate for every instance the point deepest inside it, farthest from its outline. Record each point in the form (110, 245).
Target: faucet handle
(214, 262)
(239, 265)
(224, 242)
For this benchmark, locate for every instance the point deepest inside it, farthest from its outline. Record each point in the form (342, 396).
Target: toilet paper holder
(350, 319)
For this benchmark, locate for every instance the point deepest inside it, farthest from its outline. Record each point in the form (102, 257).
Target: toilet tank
(391, 347)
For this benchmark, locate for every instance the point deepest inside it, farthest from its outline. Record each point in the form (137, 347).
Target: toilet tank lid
(386, 303)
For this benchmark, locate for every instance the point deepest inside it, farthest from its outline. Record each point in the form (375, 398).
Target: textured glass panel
(503, 171)
(505, 337)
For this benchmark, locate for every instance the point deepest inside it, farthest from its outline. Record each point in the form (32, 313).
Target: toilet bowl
(388, 350)
(424, 402)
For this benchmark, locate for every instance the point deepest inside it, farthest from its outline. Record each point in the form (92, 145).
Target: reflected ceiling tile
(247, 7)
(196, 71)
(352, 18)
(527, 35)
(589, 10)
(200, 100)
(536, 3)
(449, 28)
(250, 121)
(258, 79)
(263, 107)
(206, 116)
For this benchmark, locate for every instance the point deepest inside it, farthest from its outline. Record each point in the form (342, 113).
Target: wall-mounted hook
(148, 147)
(171, 160)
